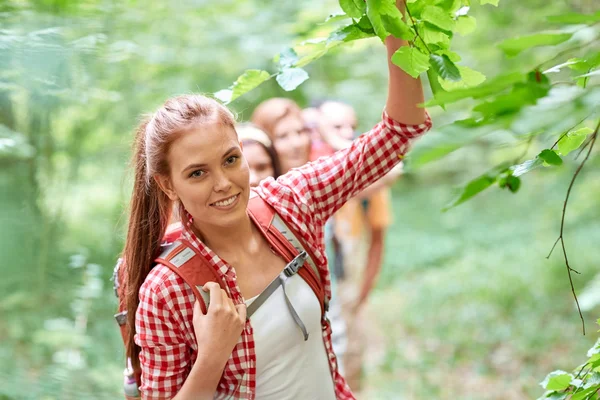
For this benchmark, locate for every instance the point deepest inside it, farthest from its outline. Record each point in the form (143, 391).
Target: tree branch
(562, 223)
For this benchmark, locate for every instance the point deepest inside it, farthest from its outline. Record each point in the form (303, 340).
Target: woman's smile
(226, 203)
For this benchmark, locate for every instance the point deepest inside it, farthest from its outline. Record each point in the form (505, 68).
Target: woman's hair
(249, 133)
(150, 207)
(270, 112)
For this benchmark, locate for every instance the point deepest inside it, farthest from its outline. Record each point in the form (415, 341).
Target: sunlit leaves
(557, 380)
(572, 140)
(514, 46)
(412, 60)
(488, 88)
(439, 17)
(433, 35)
(575, 18)
(245, 83)
(290, 78)
(465, 24)
(354, 8)
(386, 19)
(469, 78)
(492, 2)
(445, 68)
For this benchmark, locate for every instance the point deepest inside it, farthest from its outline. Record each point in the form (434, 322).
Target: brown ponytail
(148, 220)
(150, 207)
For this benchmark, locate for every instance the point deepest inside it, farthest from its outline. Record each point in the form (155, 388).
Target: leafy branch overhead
(427, 25)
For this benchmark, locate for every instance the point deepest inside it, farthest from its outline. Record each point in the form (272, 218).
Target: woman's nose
(222, 183)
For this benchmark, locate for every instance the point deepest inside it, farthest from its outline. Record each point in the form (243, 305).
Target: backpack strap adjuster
(294, 265)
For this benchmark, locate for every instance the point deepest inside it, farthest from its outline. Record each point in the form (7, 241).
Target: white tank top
(287, 367)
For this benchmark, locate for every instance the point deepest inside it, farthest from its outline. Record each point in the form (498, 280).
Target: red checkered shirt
(305, 198)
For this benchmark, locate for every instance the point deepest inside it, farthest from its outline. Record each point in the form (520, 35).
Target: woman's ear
(165, 184)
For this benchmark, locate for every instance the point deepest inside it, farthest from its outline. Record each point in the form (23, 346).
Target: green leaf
(575, 18)
(491, 87)
(434, 83)
(492, 2)
(465, 24)
(360, 30)
(396, 26)
(287, 58)
(248, 81)
(444, 67)
(525, 167)
(469, 78)
(471, 189)
(386, 18)
(584, 394)
(513, 183)
(557, 380)
(412, 60)
(477, 185)
(354, 8)
(572, 140)
(438, 17)
(290, 78)
(509, 181)
(514, 46)
(523, 93)
(550, 157)
(433, 35)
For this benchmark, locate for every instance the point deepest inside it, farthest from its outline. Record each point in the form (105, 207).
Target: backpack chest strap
(290, 270)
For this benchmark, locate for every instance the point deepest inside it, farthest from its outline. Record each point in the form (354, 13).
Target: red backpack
(184, 259)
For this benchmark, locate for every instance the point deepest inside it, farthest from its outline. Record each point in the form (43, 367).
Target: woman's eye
(231, 160)
(197, 173)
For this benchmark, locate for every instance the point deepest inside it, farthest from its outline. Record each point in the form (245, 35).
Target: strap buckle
(294, 265)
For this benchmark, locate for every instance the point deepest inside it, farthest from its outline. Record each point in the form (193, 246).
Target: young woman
(188, 154)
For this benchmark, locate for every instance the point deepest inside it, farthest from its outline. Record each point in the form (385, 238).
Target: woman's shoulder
(162, 284)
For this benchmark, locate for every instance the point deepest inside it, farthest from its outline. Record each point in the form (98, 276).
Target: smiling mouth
(226, 202)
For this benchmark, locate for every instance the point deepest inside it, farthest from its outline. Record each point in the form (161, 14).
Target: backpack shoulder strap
(185, 260)
(286, 243)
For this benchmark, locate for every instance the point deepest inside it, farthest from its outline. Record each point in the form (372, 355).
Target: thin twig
(415, 26)
(562, 223)
(582, 148)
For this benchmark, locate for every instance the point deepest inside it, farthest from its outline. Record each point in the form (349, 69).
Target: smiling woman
(188, 155)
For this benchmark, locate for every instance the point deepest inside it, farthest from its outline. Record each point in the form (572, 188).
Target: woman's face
(291, 140)
(259, 162)
(209, 175)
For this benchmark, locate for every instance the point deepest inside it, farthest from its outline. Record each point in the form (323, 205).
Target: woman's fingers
(216, 297)
(241, 309)
(220, 302)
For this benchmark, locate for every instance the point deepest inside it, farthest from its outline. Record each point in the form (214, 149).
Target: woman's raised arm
(405, 93)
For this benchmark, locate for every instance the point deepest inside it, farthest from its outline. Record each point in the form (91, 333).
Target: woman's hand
(219, 330)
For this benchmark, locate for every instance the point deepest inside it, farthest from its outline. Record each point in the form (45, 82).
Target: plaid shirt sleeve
(165, 357)
(320, 188)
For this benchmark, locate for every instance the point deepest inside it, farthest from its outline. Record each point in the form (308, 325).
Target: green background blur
(467, 307)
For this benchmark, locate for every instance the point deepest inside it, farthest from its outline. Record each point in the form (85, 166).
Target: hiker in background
(359, 232)
(293, 133)
(188, 154)
(262, 158)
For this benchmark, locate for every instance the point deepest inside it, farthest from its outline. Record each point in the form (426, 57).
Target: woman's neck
(232, 242)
